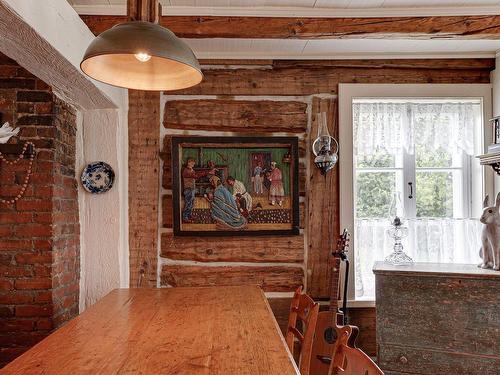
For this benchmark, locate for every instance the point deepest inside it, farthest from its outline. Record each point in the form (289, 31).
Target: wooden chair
(349, 360)
(301, 326)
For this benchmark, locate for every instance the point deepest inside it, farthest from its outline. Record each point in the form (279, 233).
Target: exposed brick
(6, 284)
(40, 85)
(33, 283)
(15, 297)
(33, 258)
(34, 96)
(43, 324)
(16, 325)
(34, 230)
(42, 271)
(25, 108)
(6, 231)
(33, 205)
(14, 244)
(35, 120)
(6, 312)
(44, 108)
(40, 233)
(22, 83)
(15, 218)
(43, 296)
(13, 271)
(8, 71)
(41, 245)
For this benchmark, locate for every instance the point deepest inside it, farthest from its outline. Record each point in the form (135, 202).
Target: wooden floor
(182, 331)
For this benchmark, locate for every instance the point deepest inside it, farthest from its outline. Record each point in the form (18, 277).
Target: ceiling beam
(487, 64)
(440, 27)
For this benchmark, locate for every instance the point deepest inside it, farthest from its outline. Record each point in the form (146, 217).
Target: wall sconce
(326, 158)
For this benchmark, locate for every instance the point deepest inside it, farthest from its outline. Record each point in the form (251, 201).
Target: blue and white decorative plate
(98, 177)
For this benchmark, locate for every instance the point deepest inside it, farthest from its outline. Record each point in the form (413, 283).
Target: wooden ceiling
(445, 27)
(348, 4)
(231, 29)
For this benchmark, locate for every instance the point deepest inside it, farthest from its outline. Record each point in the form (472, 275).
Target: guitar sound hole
(330, 335)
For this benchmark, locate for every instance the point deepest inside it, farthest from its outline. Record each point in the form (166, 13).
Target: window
(423, 148)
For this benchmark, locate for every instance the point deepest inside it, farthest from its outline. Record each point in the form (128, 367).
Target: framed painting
(235, 186)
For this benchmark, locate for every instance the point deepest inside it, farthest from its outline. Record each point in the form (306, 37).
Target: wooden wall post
(144, 165)
(323, 208)
(144, 10)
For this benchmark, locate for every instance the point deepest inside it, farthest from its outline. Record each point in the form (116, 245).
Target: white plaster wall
(103, 218)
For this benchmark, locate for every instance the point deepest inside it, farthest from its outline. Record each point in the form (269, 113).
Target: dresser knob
(403, 360)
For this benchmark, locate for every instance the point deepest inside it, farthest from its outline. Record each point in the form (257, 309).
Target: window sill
(352, 304)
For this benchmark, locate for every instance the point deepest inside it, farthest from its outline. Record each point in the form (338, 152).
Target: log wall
(269, 98)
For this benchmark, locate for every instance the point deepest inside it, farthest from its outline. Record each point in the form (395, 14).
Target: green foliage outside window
(434, 189)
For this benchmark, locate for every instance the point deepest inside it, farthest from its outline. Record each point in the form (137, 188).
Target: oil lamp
(325, 157)
(397, 231)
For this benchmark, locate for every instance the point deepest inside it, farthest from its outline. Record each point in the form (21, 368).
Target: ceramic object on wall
(98, 177)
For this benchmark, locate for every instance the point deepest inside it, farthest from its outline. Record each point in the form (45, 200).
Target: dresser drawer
(395, 359)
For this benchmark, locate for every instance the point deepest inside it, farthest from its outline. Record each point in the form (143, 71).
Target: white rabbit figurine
(490, 237)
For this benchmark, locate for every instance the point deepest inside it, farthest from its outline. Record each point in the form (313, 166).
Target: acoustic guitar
(326, 332)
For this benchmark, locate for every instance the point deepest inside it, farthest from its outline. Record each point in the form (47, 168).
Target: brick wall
(65, 219)
(39, 235)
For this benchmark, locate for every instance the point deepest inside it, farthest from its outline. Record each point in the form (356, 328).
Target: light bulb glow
(142, 56)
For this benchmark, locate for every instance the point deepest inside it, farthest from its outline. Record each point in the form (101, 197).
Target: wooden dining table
(181, 331)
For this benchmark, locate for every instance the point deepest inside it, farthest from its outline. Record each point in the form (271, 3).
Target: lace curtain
(429, 240)
(391, 127)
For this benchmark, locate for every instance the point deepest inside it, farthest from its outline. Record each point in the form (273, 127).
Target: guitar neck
(335, 286)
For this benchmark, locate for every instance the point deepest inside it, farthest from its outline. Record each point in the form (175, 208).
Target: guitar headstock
(343, 244)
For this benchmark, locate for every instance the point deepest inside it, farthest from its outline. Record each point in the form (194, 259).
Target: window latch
(410, 188)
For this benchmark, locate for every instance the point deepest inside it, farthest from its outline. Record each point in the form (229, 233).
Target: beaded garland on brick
(26, 178)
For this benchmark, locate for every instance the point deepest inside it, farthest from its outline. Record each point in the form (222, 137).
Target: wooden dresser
(438, 319)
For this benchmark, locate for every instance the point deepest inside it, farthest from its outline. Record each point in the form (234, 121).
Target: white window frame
(348, 92)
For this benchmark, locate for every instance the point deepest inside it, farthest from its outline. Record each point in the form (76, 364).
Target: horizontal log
(479, 63)
(431, 27)
(270, 279)
(236, 115)
(307, 81)
(167, 214)
(275, 249)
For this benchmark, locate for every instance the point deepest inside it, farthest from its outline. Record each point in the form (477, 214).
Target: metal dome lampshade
(143, 56)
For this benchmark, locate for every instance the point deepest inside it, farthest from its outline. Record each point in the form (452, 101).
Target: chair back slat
(305, 311)
(347, 360)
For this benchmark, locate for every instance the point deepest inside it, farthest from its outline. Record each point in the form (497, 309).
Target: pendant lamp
(141, 54)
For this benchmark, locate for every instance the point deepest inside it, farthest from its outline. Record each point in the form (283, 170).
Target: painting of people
(235, 185)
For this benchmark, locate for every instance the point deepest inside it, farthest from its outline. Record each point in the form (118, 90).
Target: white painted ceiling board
(351, 4)
(340, 48)
(400, 46)
(249, 47)
(244, 3)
